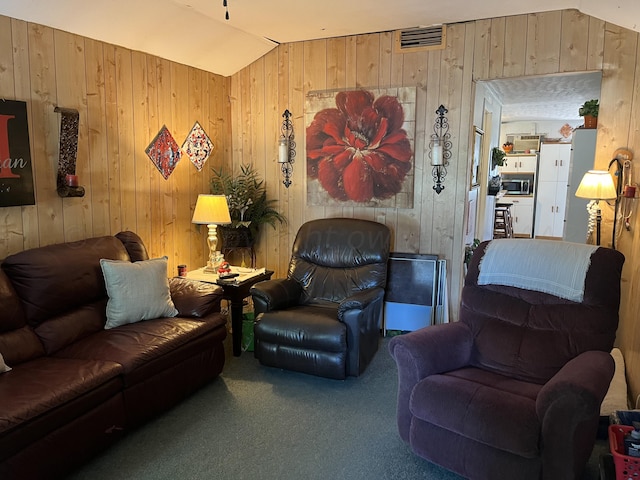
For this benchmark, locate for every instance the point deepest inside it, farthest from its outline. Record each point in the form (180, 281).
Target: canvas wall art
(16, 170)
(360, 147)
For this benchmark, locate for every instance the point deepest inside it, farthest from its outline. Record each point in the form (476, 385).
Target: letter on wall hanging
(16, 174)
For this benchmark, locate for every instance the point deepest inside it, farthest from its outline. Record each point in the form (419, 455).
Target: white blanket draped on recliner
(515, 262)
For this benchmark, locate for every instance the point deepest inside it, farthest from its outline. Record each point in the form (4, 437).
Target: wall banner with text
(16, 173)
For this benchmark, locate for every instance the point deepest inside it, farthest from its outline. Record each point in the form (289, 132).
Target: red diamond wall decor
(164, 152)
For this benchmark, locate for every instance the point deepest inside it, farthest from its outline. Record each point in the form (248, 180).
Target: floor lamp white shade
(597, 185)
(212, 210)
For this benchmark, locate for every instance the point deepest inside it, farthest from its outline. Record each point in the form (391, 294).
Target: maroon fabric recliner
(512, 390)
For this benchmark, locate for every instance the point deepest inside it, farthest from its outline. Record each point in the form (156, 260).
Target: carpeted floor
(257, 422)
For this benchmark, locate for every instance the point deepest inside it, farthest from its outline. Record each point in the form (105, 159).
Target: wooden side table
(235, 291)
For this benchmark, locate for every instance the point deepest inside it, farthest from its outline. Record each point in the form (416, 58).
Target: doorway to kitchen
(543, 107)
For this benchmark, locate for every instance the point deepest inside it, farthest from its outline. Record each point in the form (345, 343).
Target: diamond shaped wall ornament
(198, 146)
(164, 152)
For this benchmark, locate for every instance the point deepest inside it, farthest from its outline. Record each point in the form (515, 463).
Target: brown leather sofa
(76, 387)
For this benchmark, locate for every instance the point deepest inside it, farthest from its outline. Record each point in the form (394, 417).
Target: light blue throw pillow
(137, 291)
(3, 366)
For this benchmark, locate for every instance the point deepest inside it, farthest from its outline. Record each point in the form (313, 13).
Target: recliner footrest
(318, 329)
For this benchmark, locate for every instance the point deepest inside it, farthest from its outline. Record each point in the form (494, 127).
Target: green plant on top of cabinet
(589, 110)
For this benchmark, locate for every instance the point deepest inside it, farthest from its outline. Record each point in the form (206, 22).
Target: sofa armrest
(134, 245)
(361, 313)
(193, 298)
(568, 408)
(275, 294)
(360, 300)
(433, 349)
(430, 350)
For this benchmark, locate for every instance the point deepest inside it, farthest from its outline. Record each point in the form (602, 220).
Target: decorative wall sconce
(440, 148)
(226, 9)
(286, 148)
(67, 183)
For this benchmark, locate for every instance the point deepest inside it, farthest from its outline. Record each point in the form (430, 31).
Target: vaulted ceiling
(196, 33)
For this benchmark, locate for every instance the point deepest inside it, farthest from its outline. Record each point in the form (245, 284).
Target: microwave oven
(516, 187)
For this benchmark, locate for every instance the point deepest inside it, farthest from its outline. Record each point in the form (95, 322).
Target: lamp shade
(211, 209)
(596, 185)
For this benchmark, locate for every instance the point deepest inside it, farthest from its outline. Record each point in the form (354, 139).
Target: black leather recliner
(324, 318)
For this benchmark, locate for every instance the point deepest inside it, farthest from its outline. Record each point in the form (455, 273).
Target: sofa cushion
(20, 345)
(136, 346)
(42, 385)
(137, 291)
(506, 408)
(12, 313)
(530, 335)
(64, 329)
(59, 278)
(194, 299)
(43, 395)
(531, 341)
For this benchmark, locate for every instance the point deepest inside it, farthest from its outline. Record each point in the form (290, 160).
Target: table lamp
(212, 210)
(596, 185)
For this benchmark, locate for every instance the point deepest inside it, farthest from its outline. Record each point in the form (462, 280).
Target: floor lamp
(596, 185)
(212, 210)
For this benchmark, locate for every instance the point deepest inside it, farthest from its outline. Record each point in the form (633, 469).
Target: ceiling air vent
(417, 39)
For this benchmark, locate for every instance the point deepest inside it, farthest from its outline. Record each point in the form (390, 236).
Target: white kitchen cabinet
(552, 189)
(520, 164)
(522, 215)
(555, 162)
(551, 200)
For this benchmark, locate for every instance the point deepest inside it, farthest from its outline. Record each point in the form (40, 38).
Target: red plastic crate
(627, 468)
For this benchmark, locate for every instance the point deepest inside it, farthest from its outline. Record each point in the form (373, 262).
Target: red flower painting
(359, 150)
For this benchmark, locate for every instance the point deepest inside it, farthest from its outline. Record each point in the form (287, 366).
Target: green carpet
(256, 422)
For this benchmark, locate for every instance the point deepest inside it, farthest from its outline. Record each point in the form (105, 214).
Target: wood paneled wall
(124, 98)
(534, 44)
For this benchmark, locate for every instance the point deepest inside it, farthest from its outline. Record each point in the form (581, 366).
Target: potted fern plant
(249, 206)
(498, 158)
(589, 110)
